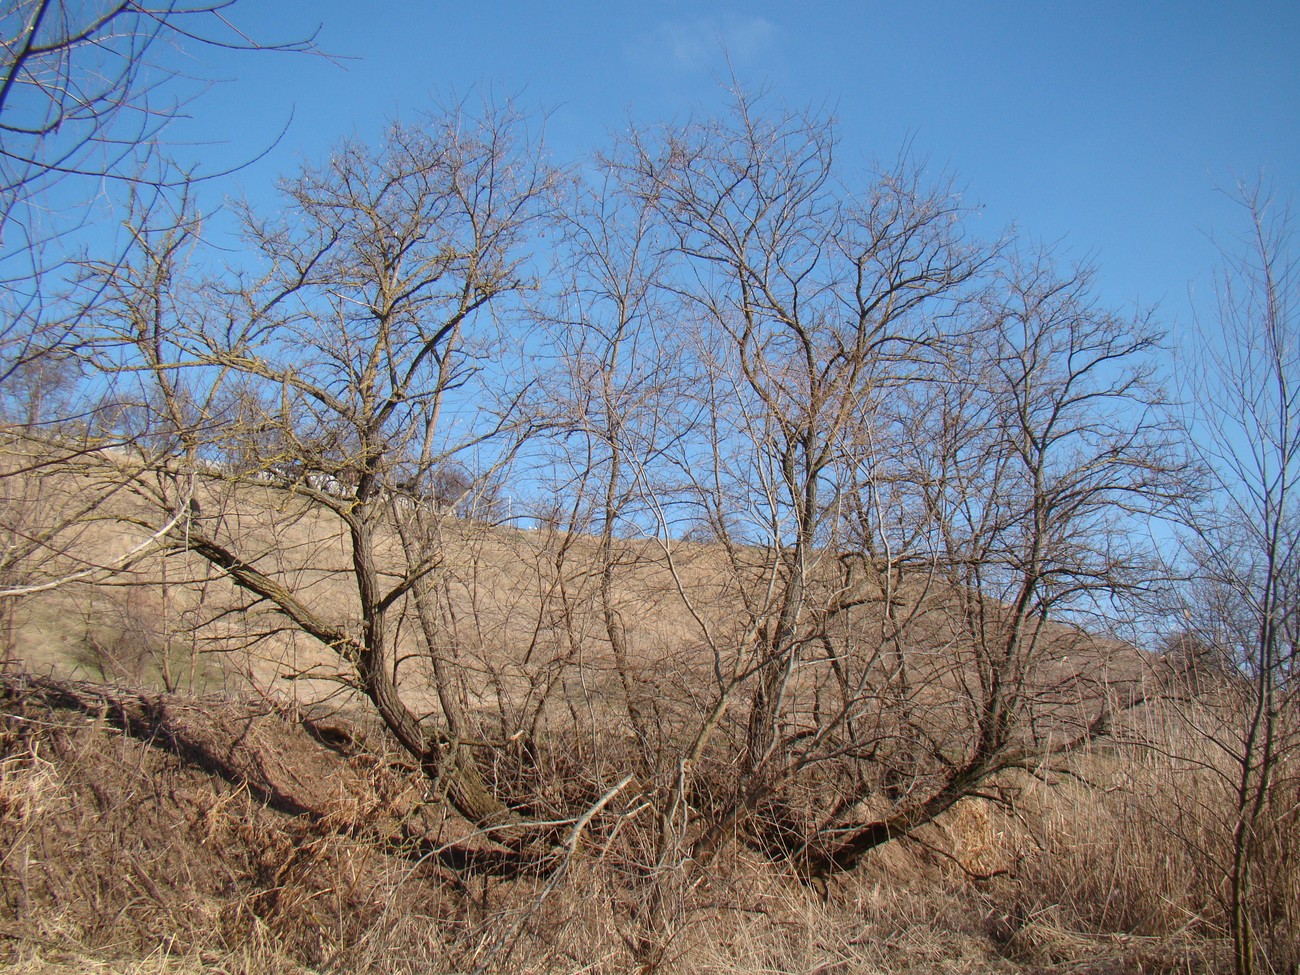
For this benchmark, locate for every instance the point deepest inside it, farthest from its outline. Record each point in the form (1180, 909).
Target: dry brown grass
(232, 840)
(273, 828)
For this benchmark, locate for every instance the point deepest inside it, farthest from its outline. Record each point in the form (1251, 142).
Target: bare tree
(1006, 525)
(614, 395)
(913, 465)
(813, 303)
(1243, 425)
(918, 458)
(87, 92)
(324, 375)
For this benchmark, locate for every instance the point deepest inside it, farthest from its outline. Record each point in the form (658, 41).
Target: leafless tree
(1243, 424)
(913, 464)
(1029, 457)
(325, 374)
(918, 459)
(87, 92)
(614, 395)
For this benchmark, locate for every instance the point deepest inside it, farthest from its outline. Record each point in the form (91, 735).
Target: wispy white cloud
(706, 42)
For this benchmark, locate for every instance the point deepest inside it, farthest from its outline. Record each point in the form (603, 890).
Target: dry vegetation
(702, 559)
(276, 826)
(165, 833)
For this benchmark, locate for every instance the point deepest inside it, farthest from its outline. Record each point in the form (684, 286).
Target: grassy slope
(143, 832)
(146, 833)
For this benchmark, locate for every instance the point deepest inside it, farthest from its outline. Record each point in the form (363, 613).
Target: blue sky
(1106, 127)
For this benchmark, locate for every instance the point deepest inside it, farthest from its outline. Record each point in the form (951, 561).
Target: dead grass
(228, 838)
(273, 828)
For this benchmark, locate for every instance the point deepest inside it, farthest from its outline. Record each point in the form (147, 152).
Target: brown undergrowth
(161, 833)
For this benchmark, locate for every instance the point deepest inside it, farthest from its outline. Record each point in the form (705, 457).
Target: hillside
(163, 833)
(232, 800)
